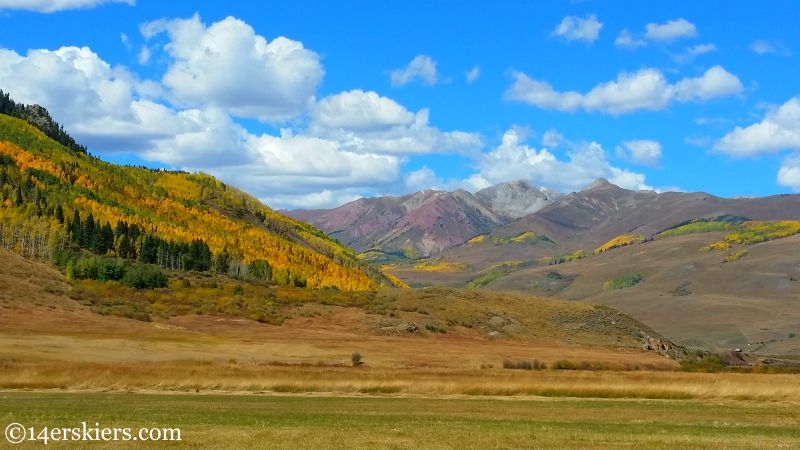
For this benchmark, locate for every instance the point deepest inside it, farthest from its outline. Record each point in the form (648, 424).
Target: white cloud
(228, 65)
(641, 151)
(473, 74)
(325, 198)
(422, 178)
(552, 138)
(626, 40)
(144, 55)
(646, 89)
(304, 156)
(573, 28)
(694, 51)
(670, 30)
(50, 6)
(789, 173)
(398, 136)
(779, 130)
(92, 99)
(762, 47)
(422, 67)
(514, 160)
(109, 110)
(359, 110)
(715, 82)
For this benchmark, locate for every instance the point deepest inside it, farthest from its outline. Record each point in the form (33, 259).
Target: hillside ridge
(45, 187)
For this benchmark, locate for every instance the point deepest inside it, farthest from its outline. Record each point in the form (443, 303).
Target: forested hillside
(55, 198)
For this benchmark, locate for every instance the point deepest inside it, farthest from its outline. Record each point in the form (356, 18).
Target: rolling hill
(706, 271)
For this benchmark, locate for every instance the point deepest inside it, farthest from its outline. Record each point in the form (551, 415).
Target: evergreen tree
(148, 251)
(76, 228)
(18, 196)
(59, 213)
(222, 262)
(88, 231)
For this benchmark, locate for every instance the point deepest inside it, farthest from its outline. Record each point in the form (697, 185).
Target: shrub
(734, 256)
(706, 363)
(355, 358)
(144, 276)
(524, 365)
(622, 283)
(565, 364)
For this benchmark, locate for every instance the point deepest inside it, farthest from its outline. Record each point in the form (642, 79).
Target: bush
(622, 283)
(524, 365)
(95, 268)
(706, 363)
(356, 359)
(144, 276)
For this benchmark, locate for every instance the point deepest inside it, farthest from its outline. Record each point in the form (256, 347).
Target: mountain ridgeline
(425, 222)
(57, 200)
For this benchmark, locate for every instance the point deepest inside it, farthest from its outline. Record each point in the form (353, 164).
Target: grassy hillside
(710, 285)
(46, 188)
(390, 327)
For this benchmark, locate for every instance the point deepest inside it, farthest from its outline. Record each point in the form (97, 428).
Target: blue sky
(314, 103)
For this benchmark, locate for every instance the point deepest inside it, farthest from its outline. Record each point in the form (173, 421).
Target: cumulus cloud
(573, 28)
(50, 6)
(473, 74)
(422, 67)
(359, 110)
(779, 130)
(762, 47)
(641, 151)
(366, 122)
(310, 157)
(646, 89)
(552, 138)
(626, 40)
(694, 51)
(515, 160)
(230, 66)
(422, 178)
(670, 30)
(659, 32)
(94, 100)
(343, 146)
(789, 173)
(109, 110)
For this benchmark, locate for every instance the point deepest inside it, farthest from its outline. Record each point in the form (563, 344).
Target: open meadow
(475, 373)
(241, 421)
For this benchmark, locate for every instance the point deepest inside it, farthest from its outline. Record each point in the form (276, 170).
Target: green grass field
(370, 422)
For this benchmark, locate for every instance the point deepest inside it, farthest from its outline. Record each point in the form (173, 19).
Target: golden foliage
(620, 241)
(477, 239)
(440, 267)
(719, 246)
(181, 206)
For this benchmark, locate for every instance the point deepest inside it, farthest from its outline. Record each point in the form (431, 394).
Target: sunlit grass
(408, 422)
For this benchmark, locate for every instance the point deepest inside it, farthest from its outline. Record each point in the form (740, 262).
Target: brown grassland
(232, 382)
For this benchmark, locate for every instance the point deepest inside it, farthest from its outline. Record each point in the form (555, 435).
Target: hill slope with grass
(205, 318)
(717, 284)
(54, 197)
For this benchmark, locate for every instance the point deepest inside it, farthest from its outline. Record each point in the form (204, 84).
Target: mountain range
(706, 271)
(426, 222)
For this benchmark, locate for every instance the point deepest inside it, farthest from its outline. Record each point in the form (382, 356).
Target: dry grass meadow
(232, 382)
